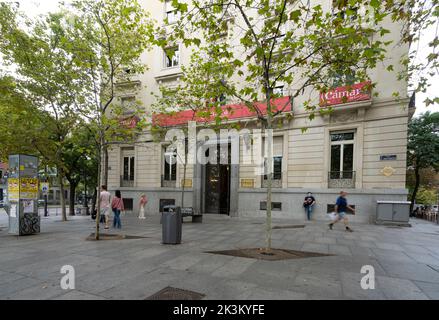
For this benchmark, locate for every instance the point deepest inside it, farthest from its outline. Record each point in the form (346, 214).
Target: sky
(36, 7)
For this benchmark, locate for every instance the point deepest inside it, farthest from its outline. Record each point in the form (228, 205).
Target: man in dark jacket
(308, 204)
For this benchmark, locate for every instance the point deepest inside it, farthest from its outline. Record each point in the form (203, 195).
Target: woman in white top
(142, 203)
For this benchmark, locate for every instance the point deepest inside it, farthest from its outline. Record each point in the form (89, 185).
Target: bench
(189, 212)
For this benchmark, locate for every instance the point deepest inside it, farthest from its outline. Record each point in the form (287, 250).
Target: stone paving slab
(404, 267)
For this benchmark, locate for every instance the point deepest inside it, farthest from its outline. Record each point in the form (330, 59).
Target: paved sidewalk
(406, 261)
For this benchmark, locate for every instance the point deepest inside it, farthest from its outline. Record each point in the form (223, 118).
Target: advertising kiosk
(23, 195)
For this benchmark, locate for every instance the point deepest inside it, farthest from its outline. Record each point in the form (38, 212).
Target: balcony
(126, 182)
(275, 183)
(341, 179)
(168, 183)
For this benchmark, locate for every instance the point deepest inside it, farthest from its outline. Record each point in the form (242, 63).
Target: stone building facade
(360, 147)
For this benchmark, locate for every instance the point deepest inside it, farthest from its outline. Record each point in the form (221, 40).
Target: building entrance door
(217, 186)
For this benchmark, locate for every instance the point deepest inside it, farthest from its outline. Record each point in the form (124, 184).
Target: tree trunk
(73, 185)
(62, 195)
(415, 190)
(269, 144)
(105, 165)
(100, 155)
(93, 201)
(184, 181)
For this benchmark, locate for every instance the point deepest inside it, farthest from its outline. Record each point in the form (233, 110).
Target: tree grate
(112, 236)
(292, 226)
(171, 293)
(270, 255)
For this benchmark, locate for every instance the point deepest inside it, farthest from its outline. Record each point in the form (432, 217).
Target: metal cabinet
(393, 212)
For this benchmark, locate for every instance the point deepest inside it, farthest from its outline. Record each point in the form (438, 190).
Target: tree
(79, 156)
(257, 44)
(422, 35)
(48, 79)
(106, 39)
(423, 147)
(17, 124)
(427, 196)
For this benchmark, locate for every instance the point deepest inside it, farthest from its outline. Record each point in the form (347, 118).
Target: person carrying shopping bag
(118, 207)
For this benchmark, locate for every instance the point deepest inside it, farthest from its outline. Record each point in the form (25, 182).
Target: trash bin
(171, 225)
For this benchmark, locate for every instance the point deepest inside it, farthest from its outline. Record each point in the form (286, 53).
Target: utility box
(393, 213)
(23, 188)
(171, 225)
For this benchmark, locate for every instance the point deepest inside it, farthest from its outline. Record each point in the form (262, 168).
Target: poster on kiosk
(23, 195)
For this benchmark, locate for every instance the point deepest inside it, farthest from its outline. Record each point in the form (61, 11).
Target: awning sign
(356, 92)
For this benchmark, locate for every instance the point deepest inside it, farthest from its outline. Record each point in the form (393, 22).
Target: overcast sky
(35, 7)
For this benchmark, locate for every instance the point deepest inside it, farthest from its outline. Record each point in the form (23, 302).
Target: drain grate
(271, 255)
(171, 293)
(291, 226)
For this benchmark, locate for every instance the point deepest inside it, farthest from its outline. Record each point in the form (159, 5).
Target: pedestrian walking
(308, 204)
(341, 205)
(118, 207)
(104, 199)
(142, 203)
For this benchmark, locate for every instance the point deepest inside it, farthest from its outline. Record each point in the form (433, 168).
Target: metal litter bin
(171, 225)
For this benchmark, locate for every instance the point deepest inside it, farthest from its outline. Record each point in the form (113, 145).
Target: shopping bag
(332, 216)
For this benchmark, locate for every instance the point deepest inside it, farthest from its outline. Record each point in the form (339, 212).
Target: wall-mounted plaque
(388, 171)
(186, 183)
(388, 157)
(247, 183)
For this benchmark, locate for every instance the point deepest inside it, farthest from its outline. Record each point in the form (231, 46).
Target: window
(277, 158)
(221, 99)
(278, 91)
(172, 57)
(342, 10)
(343, 78)
(128, 168)
(128, 203)
(170, 166)
(172, 15)
(127, 102)
(275, 206)
(342, 155)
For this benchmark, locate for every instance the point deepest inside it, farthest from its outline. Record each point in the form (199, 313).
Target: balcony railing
(126, 182)
(341, 179)
(275, 183)
(168, 183)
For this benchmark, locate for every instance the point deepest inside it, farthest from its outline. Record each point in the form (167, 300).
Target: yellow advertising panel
(29, 188)
(13, 189)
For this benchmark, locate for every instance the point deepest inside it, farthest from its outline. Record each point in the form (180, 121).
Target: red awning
(232, 111)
